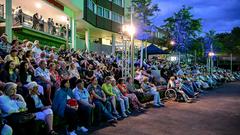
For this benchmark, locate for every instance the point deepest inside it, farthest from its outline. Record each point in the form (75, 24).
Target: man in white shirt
(36, 49)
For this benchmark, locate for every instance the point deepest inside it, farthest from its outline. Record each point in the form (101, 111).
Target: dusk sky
(220, 15)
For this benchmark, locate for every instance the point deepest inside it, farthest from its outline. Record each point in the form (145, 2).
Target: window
(106, 13)
(117, 18)
(91, 5)
(99, 11)
(118, 2)
(114, 16)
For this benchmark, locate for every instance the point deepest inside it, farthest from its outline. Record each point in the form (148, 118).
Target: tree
(230, 42)
(143, 11)
(209, 41)
(183, 28)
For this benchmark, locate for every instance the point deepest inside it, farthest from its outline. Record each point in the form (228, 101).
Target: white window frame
(102, 11)
(106, 10)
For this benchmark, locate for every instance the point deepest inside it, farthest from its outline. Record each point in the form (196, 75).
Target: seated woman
(26, 75)
(13, 108)
(89, 74)
(123, 100)
(138, 92)
(63, 71)
(73, 71)
(152, 89)
(36, 103)
(55, 77)
(133, 98)
(172, 85)
(99, 99)
(107, 88)
(13, 57)
(9, 74)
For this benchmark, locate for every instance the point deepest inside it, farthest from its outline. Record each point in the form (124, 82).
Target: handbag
(21, 118)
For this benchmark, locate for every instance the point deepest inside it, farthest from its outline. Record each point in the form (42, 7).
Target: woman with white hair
(37, 104)
(123, 100)
(13, 109)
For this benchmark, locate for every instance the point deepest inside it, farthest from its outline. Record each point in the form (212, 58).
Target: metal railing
(22, 19)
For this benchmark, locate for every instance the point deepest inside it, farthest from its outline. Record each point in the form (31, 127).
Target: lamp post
(130, 30)
(211, 54)
(172, 42)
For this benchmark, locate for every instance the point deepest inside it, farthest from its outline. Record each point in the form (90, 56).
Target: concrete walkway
(217, 112)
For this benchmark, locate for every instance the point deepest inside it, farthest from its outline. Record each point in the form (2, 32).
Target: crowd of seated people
(83, 88)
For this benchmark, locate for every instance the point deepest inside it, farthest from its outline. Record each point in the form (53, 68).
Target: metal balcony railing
(22, 19)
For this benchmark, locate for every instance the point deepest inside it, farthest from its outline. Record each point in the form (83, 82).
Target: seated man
(85, 104)
(107, 88)
(152, 89)
(99, 99)
(43, 78)
(142, 96)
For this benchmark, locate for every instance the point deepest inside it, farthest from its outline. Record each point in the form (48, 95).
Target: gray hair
(9, 86)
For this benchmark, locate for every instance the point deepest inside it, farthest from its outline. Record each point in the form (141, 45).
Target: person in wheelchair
(172, 85)
(152, 89)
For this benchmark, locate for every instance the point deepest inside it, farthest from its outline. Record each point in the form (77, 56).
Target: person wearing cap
(13, 56)
(12, 106)
(24, 43)
(37, 104)
(10, 101)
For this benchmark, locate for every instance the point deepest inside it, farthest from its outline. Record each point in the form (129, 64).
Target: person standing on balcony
(49, 22)
(20, 15)
(53, 27)
(41, 23)
(35, 21)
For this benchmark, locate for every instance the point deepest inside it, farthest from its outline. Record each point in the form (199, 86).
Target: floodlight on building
(38, 5)
(64, 18)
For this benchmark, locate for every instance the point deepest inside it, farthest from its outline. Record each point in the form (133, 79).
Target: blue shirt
(60, 100)
(98, 90)
(81, 95)
(42, 73)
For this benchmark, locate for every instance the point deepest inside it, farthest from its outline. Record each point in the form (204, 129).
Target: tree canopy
(183, 28)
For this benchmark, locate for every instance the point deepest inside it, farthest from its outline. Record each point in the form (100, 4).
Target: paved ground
(217, 112)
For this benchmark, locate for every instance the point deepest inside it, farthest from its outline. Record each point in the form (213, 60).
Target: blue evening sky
(219, 15)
